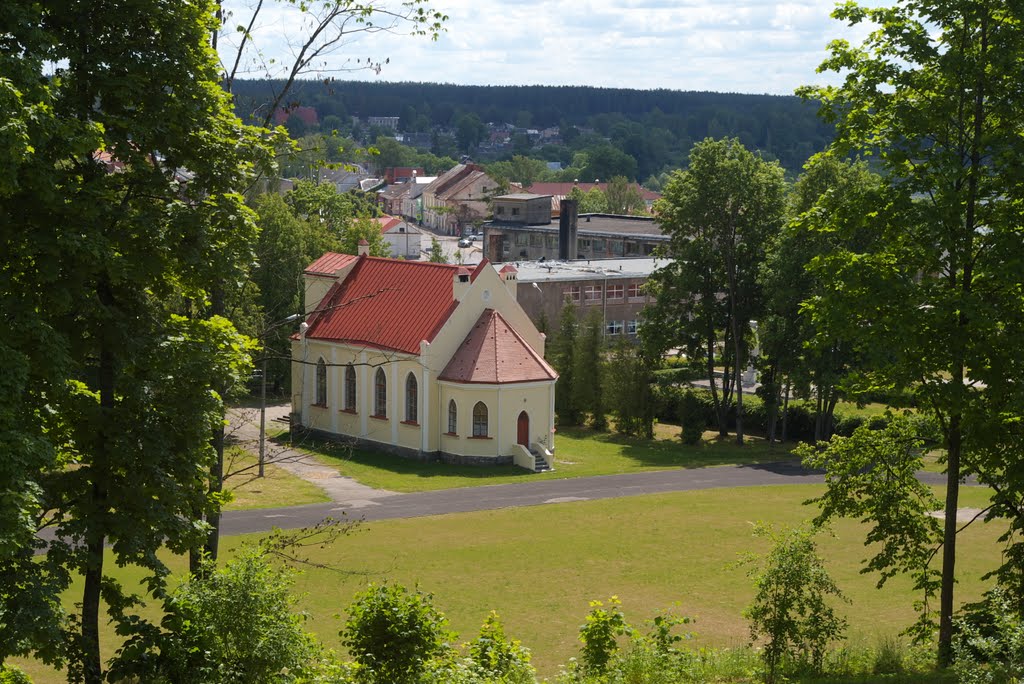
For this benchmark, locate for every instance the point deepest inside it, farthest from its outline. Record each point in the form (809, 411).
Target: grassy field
(579, 452)
(277, 488)
(539, 566)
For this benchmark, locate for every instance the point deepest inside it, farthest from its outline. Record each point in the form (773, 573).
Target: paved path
(245, 430)
(466, 499)
(353, 500)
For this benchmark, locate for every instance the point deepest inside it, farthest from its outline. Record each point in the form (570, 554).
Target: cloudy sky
(751, 46)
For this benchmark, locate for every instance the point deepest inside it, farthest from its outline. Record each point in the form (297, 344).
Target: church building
(422, 359)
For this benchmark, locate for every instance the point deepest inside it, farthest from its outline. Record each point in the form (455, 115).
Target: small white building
(404, 238)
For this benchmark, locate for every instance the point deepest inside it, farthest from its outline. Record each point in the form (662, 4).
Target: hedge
(669, 406)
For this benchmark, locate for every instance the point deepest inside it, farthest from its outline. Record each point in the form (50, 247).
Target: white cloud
(728, 45)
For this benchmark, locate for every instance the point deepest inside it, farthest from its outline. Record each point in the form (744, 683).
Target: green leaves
(872, 477)
(791, 608)
(394, 632)
(932, 91)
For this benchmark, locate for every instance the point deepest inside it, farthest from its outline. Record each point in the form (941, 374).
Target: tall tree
(590, 202)
(561, 355)
(627, 388)
(588, 371)
(719, 214)
(130, 141)
(286, 245)
(624, 198)
(360, 229)
(830, 205)
(936, 91)
(436, 254)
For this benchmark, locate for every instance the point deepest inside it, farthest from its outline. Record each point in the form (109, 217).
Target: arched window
(411, 398)
(380, 394)
(453, 418)
(321, 383)
(350, 388)
(480, 419)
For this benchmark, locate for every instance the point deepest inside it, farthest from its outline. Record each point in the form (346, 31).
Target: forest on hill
(654, 128)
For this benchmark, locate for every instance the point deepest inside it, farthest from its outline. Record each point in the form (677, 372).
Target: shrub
(499, 656)
(989, 642)
(846, 425)
(692, 418)
(393, 633)
(235, 625)
(790, 610)
(600, 634)
(10, 674)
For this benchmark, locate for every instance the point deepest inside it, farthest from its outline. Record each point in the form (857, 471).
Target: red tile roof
(387, 223)
(494, 353)
(386, 304)
(329, 263)
(563, 189)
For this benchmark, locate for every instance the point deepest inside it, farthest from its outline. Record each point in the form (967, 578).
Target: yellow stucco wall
(504, 404)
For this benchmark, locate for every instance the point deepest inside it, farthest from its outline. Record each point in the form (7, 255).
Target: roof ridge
(492, 322)
(529, 347)
(412, 262)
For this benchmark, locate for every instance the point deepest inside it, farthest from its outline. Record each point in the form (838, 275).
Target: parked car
(473, 237)
(465, 242)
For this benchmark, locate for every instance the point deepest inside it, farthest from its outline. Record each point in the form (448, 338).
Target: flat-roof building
(614, 287)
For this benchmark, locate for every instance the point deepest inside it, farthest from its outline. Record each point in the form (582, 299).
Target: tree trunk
(737, 338)
(719, 410)
(738, 375)
(95, 536)
(92, 666)
(785, 412)
(955, 444)
(819, 409)
(830, 410)
(773, 404)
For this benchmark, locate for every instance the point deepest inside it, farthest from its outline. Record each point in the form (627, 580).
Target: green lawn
(539, 566)
(579, 452)
(277, 488)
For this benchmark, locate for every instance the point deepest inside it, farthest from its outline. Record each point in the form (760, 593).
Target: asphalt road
(524, 494)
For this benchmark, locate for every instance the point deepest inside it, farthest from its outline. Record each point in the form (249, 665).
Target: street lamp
(263, 390)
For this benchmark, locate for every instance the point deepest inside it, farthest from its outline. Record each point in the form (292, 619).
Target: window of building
(321, 383)
(631, 327)
(591, 294)
(599, 246)
(551, 241)
(522, 239)
(614, 328)
(515, 211)
(350, 388)
(380, 394)
(411, 399)
(615, 291)
(615, 247)
(537, 239)
(480, 419)
(500, 209)
(572, 294)
(635, 291)
(453, 418)
(632, 249)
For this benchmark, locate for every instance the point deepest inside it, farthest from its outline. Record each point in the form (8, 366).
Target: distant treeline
(655, 127)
